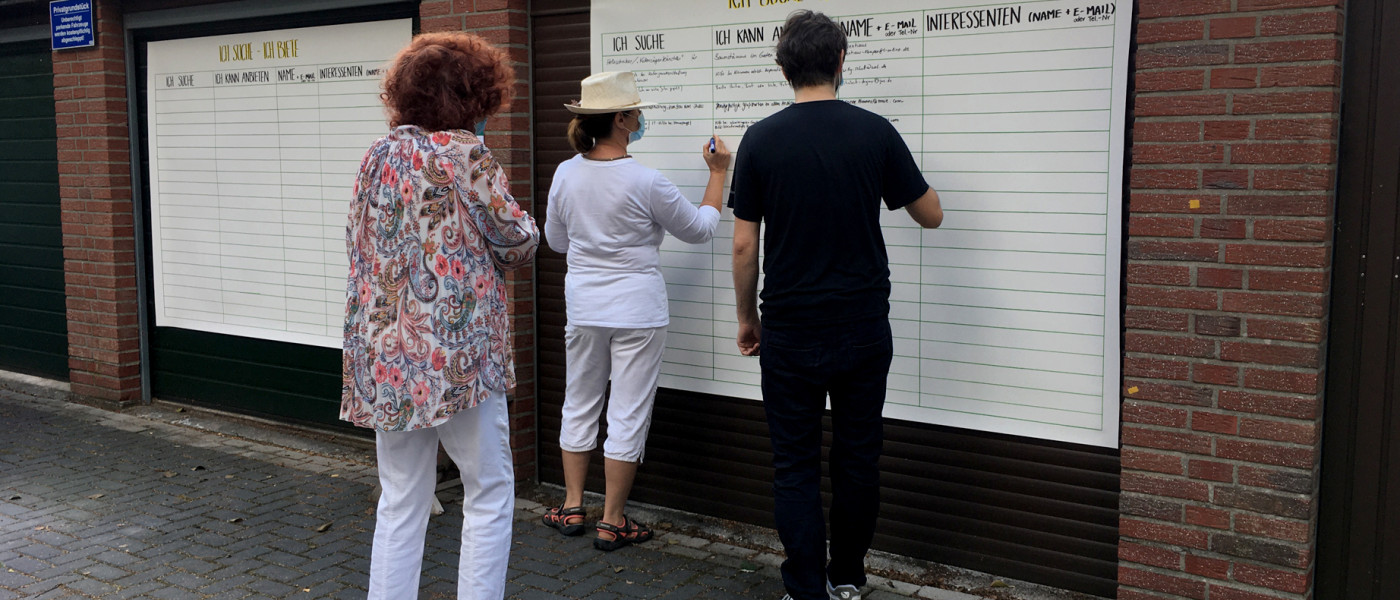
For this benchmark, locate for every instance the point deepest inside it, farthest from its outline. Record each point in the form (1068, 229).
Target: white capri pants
(478, 440)
(632, 359)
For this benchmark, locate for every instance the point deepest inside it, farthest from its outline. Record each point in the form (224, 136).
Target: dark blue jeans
(801, 367)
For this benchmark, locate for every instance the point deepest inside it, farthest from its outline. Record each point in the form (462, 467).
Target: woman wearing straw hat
(609, 214)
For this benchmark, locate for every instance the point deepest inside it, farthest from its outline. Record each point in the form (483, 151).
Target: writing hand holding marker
(717, 159)
(716, 155)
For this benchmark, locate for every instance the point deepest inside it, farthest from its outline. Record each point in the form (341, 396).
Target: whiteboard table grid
(253, 165)
(1002, 314)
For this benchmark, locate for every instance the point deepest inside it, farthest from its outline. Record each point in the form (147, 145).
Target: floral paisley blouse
(432, 226)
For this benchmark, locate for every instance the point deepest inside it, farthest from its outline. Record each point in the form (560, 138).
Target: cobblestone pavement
(96, 504)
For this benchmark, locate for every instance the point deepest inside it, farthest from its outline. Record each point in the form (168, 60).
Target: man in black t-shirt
(816, 173)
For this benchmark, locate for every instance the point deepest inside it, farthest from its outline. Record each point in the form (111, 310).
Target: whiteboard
(255, 141)
(1006, 319)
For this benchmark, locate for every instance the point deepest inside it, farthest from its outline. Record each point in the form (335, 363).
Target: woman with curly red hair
(428, 358)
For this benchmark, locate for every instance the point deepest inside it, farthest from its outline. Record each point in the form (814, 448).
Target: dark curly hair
(447, 81)
(809, 48)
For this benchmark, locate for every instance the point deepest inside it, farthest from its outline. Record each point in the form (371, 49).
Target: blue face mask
(480, 130)
(636, 136)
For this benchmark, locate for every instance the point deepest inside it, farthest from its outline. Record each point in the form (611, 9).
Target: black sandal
(561, 518)
(631, 532)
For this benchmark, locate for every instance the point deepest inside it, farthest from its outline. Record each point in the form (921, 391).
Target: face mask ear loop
(636, 136)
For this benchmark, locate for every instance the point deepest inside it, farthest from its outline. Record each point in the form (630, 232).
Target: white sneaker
(842, 592)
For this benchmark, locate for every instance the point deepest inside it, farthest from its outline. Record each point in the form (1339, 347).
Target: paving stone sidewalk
(96, 504)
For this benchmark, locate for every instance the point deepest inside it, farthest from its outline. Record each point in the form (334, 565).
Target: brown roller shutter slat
(1038, 511)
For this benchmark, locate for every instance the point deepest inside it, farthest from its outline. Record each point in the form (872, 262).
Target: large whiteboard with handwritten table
(1006, 319)
(255, 140)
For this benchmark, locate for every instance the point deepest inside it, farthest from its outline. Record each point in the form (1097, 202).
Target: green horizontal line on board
(1017, 52)
(211, 101)
(280, 260)
(1012, 132)
(1017, 172)
(1099, 254)
(1016, 192)
(1019, 310)
(225, 112)
(1018, 112)
(1090, 335)
(978, 287)
(223, 135)
(1011, 152)
(226, 302)
(1023, 420)
(165, 95)
(338, 284)
(274, 161)
(338, 292)
(338, 213)
(280, 184)
(689, 268)
(1008, 72)
(283, 185)
(318, 120)
(603, 36)
(337, 289)
(922, 339)
(258, 246)
(701, 302)
(374, 61)
(1012, 231)
(221, 301)
(1062, 410)
(726, 66)
(1014, 387)
(278, 84)
(1008, 270)
(1022, 92)
(1090, 26)
(260, 307)
(1022, 212)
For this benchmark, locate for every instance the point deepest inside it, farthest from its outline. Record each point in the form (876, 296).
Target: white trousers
(478, 440)
(632, 359)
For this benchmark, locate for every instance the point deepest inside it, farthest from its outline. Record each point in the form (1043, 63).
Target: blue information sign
(72, 25)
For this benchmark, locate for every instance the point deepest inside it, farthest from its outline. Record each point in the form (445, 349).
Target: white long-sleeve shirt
(609, 218)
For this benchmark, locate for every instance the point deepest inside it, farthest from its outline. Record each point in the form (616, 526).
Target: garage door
(33, 322)
(1022, 508)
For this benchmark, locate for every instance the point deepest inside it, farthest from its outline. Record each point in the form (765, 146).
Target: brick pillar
(99, 244)
(1234, 156)
(505, 23)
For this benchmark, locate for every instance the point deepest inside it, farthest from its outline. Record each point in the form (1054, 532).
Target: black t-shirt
(815, 172)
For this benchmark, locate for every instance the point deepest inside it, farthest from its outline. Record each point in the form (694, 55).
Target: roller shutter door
(33, 315)
(1033, 510)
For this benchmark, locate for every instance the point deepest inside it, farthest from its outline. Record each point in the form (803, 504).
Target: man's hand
(746, 285)
(749, 334)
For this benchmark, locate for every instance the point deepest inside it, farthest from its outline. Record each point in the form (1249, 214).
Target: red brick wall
(99, 247)
(506, 24)
(1229, 253)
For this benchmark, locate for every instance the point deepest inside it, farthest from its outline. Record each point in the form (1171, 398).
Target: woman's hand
(718, 160)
